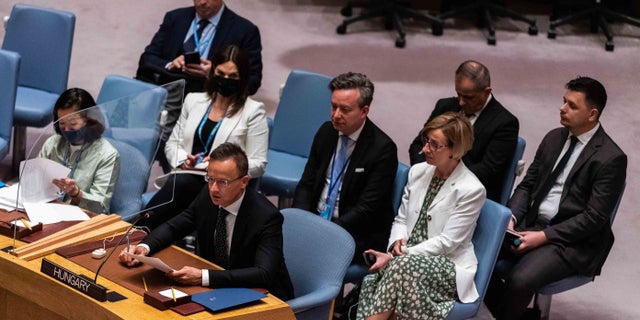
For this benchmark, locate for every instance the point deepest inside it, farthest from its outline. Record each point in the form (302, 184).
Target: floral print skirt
(413, 286)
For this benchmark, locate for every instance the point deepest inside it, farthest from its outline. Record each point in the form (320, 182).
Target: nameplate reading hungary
(71, 279)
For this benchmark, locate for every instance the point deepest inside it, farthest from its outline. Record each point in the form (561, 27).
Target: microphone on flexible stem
(125, 235)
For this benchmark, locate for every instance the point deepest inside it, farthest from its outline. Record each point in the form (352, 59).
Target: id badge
(326, 213)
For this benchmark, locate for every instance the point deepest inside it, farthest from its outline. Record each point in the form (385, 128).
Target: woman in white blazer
(431, 261)
(224, 113)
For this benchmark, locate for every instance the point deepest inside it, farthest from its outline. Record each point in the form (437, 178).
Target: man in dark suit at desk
(237, 228)
(564, 203)
(352, 164)
(495, 128)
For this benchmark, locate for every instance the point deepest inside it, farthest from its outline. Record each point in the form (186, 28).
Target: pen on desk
(26, 223)
(144, 282)
(173, 294)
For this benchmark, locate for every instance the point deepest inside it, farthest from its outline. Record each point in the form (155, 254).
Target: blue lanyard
(75, 165)
(197, 40)
(212, 133)
(332, 183)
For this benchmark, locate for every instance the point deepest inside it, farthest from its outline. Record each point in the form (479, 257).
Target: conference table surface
(27, 293)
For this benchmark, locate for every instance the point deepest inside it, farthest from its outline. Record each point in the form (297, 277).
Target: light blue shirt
(207, 34)
(551, 203)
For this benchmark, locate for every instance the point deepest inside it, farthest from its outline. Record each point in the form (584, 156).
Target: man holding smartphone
(204, 28)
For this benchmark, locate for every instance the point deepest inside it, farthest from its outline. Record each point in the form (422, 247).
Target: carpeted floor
(528, 73)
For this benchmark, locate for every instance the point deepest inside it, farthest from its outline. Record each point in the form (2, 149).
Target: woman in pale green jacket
(78, 145)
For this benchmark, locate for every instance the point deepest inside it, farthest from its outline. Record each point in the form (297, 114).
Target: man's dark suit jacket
(495, 138)
(255, 260)
(365, 205)
(582, 226)
(167, 44)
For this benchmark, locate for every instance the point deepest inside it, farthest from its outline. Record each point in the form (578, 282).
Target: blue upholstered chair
(317, 253)
(487, 240)
(116, 86)
(132, 181)
(43, 38)
(515, 169)
(357, 271)
(9, 68)
(304, 105)
(542, 299)
(133, 110)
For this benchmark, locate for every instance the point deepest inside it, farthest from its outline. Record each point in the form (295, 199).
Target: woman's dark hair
(78, 99)
(239, 57)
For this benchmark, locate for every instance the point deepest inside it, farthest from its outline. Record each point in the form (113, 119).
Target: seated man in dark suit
(352, 164)
(206, 28)
(247, 240)
(495, 128)
(563, 205)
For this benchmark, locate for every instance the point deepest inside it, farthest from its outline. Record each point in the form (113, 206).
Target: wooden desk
(26, 293)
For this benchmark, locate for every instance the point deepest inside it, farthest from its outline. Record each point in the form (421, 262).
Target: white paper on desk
(36, 176)
(8, 197)
(154, 262)
(53, 212)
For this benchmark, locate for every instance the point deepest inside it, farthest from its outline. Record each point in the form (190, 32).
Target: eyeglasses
(222, 183)
(430, 144)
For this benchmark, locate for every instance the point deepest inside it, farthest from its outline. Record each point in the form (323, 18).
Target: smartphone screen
(192, 57)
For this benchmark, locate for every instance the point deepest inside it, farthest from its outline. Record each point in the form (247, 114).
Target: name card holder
(80, 282)
(10, 230)
(155, 299)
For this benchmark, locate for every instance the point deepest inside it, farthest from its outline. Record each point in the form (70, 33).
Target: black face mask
(75, 137)
(225, 86)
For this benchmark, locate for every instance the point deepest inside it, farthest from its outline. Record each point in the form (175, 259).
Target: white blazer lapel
(448, 185)
(226, 128)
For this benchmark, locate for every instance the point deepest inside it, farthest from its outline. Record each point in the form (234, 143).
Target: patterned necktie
(220, 239)
(546, 187)
(337, 173)
(190, 45)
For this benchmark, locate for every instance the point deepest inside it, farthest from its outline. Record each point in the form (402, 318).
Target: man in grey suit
(356, 192)
(495, 129)
(563, 206)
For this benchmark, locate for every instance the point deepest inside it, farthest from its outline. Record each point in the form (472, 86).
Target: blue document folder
(225, 298)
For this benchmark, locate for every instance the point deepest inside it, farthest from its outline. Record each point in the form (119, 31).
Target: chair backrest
(9, 68)
(317, 253)
(117, 86)
(402, 174)
(133, 110)
(132, 181)
(44, 38)
(304, 105)
(514, 170)
(487, 239)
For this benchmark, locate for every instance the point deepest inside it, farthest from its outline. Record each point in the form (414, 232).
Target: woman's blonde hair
(456, 128)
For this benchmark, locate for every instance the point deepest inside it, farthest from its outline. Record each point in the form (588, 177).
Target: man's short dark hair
(352, 80)
(594, 93)
(230, 150)
(476, 72)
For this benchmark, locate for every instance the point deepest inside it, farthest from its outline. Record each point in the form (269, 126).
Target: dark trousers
(172, 201)
(509, 295)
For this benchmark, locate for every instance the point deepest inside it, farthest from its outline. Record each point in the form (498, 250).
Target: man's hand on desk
(187, 275)
(128, 260)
